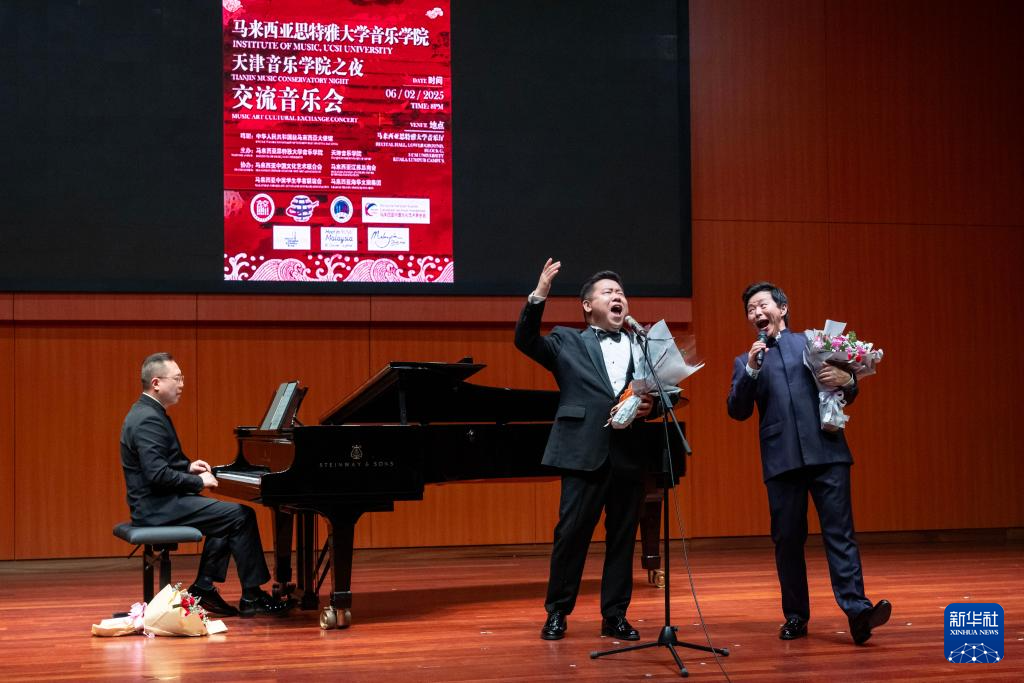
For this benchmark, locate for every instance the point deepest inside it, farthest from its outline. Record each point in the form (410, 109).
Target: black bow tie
(605, 334)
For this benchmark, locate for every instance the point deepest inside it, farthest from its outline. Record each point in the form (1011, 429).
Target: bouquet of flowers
(831, 347)
(670, 368)
(171, 612)
(127, 625)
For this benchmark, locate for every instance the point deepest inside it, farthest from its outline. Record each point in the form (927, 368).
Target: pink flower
(136, 613)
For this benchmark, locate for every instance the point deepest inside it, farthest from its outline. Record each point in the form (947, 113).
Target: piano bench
(156, 539)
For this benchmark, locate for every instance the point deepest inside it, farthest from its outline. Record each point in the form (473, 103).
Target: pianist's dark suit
(598, 467)
(162, 492)
(798, 458)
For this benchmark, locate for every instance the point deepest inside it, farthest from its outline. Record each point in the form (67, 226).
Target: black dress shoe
(264, 604)
(211, 601)
(554, 627)
(618, 627)
(872, 617)
(794, 628)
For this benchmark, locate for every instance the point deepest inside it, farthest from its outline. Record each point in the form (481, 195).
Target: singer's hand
(752, 354)
(646, 404)
(209, 481)
(833, 377)
(547, 275)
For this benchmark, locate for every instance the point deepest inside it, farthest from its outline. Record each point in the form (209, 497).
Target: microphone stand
(667, 637)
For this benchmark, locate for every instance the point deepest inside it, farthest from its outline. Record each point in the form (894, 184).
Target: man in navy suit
(598, 466)
(799, 458)
(164, 490)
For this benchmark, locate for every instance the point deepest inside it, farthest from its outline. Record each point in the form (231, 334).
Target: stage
(474, 614)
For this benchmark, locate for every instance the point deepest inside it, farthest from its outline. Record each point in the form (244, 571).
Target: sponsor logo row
(300, 238)
(403, 210)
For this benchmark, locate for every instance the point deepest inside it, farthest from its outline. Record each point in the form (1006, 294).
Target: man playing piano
(164, 487)
(599, 467)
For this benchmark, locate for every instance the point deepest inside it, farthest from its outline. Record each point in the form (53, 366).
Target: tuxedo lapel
(593, 347)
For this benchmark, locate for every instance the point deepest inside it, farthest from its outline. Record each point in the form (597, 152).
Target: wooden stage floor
(473, 614)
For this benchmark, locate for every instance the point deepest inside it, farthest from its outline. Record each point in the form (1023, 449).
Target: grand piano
(411, 424)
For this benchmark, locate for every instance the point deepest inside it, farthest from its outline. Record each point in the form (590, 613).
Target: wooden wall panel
(239, 368)
(74, 385)
(281, 308)
(64, 307)
(757, 104)
(8, 500)
(924, 111)
(935, 431)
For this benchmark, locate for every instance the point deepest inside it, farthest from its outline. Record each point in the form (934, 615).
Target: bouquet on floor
(671, 365)
(830, 346)
(171, 612)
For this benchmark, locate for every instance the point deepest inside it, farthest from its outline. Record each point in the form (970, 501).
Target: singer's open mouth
(762, 324)
(615, 308)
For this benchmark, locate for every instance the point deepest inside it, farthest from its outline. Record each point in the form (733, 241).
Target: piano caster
(656, 577)
(329, 618)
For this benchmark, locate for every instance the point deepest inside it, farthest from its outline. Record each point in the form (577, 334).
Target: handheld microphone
(762, 337)
(637, 328)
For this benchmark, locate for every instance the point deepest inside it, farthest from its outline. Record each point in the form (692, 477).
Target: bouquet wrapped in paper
(127, 625)
(670, 366)
(171, 612)
(831, 347)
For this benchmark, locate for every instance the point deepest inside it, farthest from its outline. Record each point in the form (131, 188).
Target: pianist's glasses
(177, 378)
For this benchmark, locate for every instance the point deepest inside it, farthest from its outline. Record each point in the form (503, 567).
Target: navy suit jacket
(160, 488)
(787, 404)
(579, 439)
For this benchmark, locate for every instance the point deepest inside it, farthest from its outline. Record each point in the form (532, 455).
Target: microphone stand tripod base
(667, 638)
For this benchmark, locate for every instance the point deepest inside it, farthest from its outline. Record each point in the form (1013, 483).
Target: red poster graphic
(337, 141)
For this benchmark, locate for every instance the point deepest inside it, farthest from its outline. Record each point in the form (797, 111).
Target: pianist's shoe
(211, 601)
(260, 602)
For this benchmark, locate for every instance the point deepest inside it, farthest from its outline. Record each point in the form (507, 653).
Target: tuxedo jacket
(160, 488)
(579, 439)
(786, 397)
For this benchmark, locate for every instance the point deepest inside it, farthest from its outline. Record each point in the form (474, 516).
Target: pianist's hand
(198, 467)
(209, 481)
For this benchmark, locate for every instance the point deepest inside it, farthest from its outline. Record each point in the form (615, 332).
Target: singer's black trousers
(829, 487)
(584, 494)
(231, 531)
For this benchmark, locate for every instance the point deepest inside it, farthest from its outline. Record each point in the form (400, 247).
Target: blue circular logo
(341, 209)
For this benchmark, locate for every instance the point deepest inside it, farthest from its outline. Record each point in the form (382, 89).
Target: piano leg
(283, 524)
(305, 560)
(342, 523)
(650, 535)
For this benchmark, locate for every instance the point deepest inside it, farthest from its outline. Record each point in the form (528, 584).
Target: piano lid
(415, 392)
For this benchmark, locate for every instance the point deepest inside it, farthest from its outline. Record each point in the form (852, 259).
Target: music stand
(667, 637)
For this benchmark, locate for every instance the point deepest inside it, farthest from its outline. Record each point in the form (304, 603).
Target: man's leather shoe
(794, 628)
(554, 627)
(618, 627)
(263, 604)
(872, 617)
(211, 601)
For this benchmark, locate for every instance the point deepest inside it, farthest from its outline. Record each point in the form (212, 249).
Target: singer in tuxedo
(799, 459)
(599, 467)
(164, 490)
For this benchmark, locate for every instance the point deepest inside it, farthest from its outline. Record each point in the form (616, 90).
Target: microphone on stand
(637, 328)
(762, 337)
